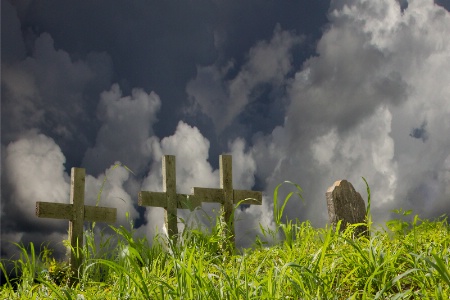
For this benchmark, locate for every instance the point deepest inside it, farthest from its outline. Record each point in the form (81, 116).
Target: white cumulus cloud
(374, 102)
(126, 131)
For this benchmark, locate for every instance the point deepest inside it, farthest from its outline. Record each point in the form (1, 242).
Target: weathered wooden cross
(169, 199)
(346, 204)
(226, 196)
(76, 212)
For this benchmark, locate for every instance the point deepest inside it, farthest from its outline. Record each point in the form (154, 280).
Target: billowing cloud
(126, 130)
(223, 100)
(109, 190)
(379, 73)
(191, 150)
(244, 166)
(249, 219)
(50, 91)
(35, 168)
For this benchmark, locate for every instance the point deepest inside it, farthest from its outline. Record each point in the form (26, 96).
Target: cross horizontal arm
(209, 195)
(216, 196)
(54, 210)
(65, 211)
(247, 197)
(159, 199)
(100, 214)
(156, 199)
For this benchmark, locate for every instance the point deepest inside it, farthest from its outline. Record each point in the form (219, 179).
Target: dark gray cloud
(267, 65)
(53, 93)
(443, 3)
(13, 46)
(158, 45)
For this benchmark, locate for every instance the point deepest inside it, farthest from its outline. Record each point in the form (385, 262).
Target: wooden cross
(226, 196)
(76, 212)
(169, 199)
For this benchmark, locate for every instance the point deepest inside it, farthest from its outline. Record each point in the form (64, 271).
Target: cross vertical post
(226, 184)
(169, 187)
(77, 186)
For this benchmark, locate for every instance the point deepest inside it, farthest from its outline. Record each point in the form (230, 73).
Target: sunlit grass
(401, 260)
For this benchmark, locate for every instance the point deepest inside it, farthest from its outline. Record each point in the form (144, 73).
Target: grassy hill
(401, 260)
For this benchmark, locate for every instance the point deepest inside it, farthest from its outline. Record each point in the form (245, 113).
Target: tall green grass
(401, 260)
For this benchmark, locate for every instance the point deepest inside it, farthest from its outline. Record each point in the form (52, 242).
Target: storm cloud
(306, 92)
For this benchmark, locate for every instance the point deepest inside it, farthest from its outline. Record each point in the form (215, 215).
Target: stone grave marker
(346, 204)
(76, 212)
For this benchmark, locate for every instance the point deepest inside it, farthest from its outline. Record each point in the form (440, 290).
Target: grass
(401, 260)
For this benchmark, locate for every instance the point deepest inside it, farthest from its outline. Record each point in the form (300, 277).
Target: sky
(306, 91)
